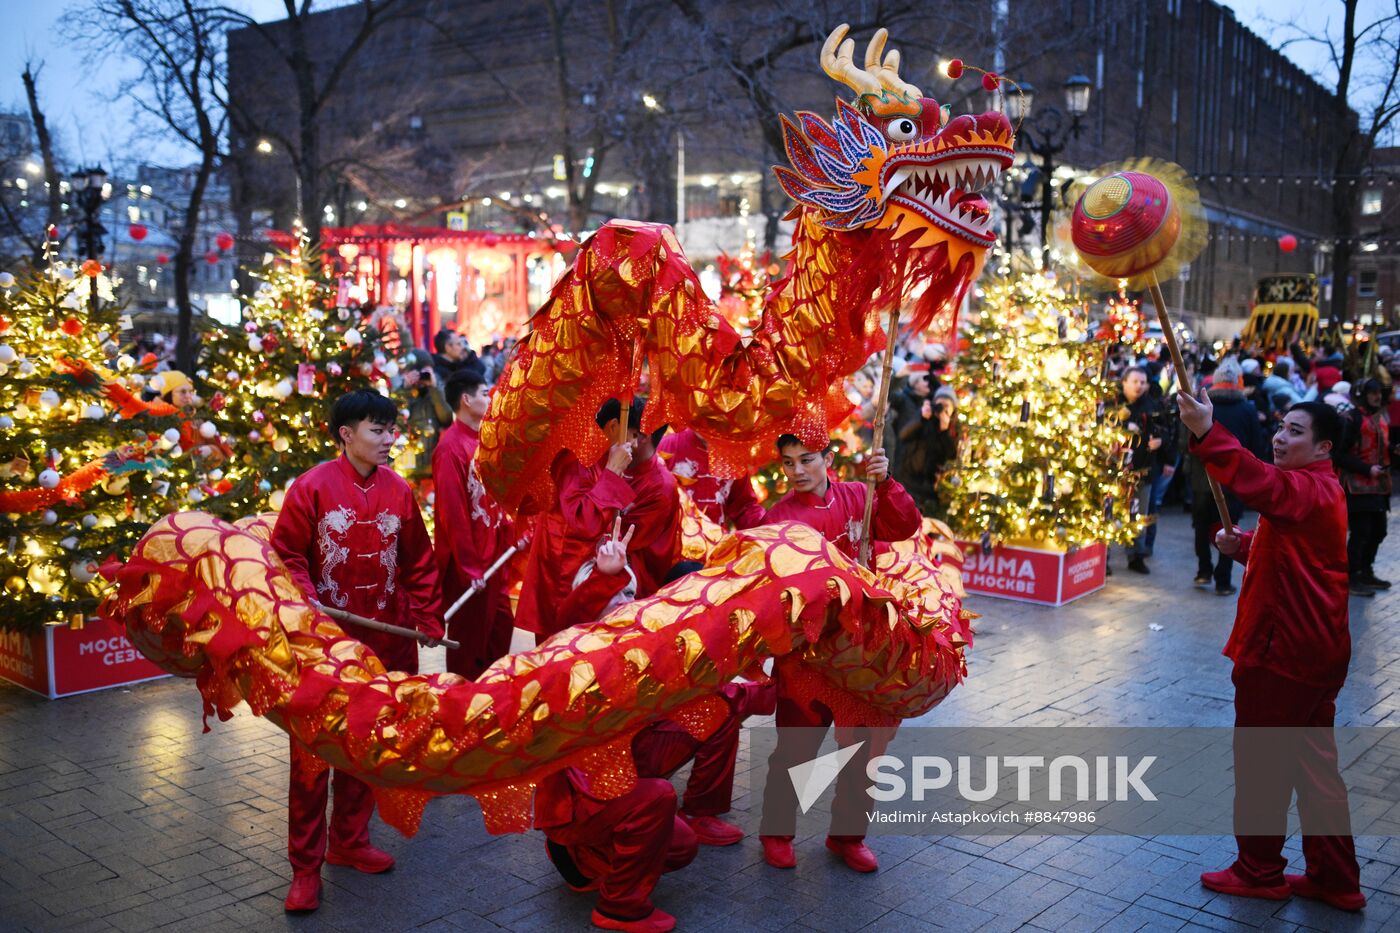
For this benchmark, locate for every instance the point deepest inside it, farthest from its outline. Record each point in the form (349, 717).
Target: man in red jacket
(620, 847)
(629, 479)
(1291, 647)
(470, 533)
(351, 536)
(724, 501)
(837, 511)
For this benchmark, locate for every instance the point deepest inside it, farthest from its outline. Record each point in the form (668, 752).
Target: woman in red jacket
(1291, 647)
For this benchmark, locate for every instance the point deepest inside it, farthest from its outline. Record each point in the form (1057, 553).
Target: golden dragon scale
(211, 600)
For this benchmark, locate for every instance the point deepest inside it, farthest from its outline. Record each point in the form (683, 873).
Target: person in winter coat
(1235, 414)
(1152, 448)
(1364, 461)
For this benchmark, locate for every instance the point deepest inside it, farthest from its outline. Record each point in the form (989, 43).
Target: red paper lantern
(991, 81)
(53, 233)
(224, 241)
(490, 239)
(1287, 243)
(212, 258)
(91, 268)
(137, 231)
(162, 258)
(72, 326)
(955, 68)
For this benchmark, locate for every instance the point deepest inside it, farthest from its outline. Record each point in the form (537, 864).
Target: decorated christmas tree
(271, 381)
(85, 464)
(1042, 454)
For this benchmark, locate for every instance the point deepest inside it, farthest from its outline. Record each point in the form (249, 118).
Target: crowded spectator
(1152, 445)
(453, 354)
(1235, 414)
(1364, 460)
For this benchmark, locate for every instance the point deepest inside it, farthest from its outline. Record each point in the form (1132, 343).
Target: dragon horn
(838, 61)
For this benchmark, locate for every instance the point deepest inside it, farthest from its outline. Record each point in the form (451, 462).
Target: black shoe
(1138, 565)
(1202, 579)
(1374, 582)
(1360, 589)
(1226, 590)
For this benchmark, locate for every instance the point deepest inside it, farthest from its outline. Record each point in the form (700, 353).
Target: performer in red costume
(1291, 647)
(470, 533)
(621, 847)
(628, 479)
(351, 536)
(724, 501)
(837, 511)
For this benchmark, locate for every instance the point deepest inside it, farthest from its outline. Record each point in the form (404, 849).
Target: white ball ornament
(276, 499)
(208, 430)
(49, 399)
(50, 517)
(125, 361)
(26, 368)
(6, 280)
(66, 274)
(94, 412)
(6, 422)
(171, 436)
(177, 451)
(83, 571)
(283, 389)
(392, 370)
(195, 496)
(68, 543)
(255, 343)
(89, 521)
(216, 475)
(280, 445)
(7, 354)
(48, 479)
(353, 338)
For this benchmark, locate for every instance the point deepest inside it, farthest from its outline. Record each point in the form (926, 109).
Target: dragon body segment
(886, 217)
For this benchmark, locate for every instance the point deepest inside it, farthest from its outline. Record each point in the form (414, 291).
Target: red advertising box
(59, 661)
(1044, 575)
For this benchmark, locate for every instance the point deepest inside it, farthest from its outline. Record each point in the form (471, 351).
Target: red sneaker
(365, 858)
(777, 851)
(713, 831)
(658, 921)
(1303, 886)
(1227, 882)
(304, 894)
(855, 853)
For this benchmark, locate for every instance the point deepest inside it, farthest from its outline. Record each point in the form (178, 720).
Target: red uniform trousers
(354, 801)
(1263, 788)
(483, 627)
(801, 730)
(625, 843)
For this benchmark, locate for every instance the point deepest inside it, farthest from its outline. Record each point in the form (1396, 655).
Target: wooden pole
(480, 583)
(1184, 379)
(878, 439)
(631, 382)
(340, 615)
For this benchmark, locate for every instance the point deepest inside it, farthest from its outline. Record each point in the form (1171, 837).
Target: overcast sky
(76, 93)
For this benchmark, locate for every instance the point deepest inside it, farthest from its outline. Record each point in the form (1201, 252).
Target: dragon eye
(902, 130)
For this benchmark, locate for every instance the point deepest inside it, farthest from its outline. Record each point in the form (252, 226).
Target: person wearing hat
(1364, 460)
(175, 389)
(1237, 415)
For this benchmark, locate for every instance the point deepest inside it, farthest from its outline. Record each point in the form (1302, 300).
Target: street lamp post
(1046, 135)
(265, 147)
(90, 189)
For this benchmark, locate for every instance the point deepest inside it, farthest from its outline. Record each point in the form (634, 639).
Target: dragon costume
(886, 213)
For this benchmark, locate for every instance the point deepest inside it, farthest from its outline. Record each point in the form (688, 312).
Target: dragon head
(895, 160)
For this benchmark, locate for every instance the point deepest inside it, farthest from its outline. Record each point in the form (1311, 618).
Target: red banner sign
(60, 661)
(1036, 575)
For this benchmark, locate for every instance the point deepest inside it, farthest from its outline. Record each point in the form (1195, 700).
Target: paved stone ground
(116, 813)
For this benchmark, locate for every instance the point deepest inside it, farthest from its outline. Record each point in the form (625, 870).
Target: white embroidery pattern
(484, 509)
(333, 553)
(389, 525)
(685, 469)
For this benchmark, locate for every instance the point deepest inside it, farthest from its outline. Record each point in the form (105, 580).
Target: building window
(1371, 200)
(1366, 280)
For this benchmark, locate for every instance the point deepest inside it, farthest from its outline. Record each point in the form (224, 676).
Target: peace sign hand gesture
(612, 551)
